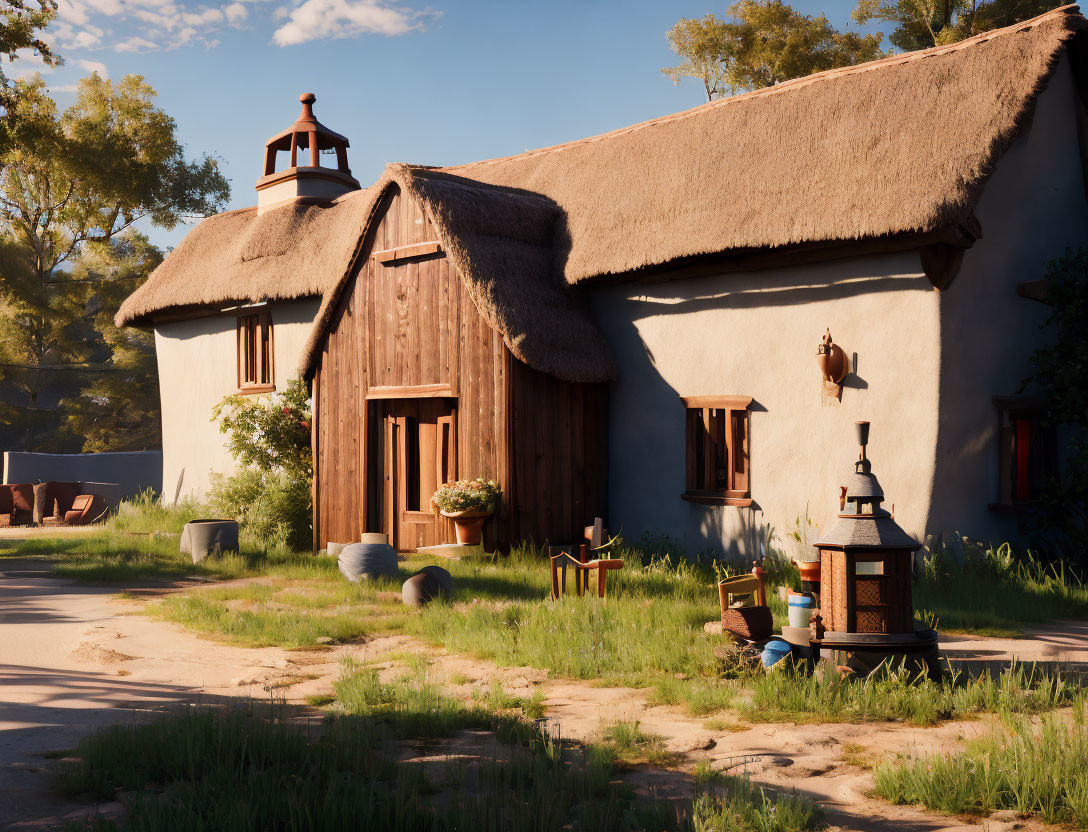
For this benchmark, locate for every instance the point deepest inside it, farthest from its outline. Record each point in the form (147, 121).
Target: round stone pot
(366, 561)
(428, 583)
(201, 538)
(468, 525)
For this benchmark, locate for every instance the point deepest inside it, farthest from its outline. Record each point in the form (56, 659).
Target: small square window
(256, 373)
(716, 441)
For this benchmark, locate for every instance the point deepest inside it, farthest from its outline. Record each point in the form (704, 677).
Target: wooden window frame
(256, 357)
(1018, 418)
(703, 417)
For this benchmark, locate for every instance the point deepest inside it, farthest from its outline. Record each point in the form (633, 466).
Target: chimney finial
(307, 99)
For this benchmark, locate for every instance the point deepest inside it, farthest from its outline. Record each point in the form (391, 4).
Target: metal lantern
(865, 568)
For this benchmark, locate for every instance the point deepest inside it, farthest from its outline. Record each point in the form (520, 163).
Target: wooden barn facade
(413, 387)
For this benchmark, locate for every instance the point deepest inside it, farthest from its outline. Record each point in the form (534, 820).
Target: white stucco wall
(1032, 210)
(756, 335)
(197, 360)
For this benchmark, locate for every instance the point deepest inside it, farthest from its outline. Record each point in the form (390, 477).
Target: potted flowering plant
(468, 503)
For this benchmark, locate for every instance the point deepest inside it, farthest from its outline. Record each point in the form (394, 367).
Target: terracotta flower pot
(810, 570)
(469, 525)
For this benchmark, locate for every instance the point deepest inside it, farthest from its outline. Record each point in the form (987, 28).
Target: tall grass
(735, 804)
(249, 768)
(791, 695)
(1040, 773)
(994, 592)
(651, 624)
(146, 513)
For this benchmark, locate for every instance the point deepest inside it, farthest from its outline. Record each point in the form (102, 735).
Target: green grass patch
(1035, 772)
(992, 593)
(629, 745)
(250, 768)
(699, 697)
(735, 804)
(791, 695)
(146, 514)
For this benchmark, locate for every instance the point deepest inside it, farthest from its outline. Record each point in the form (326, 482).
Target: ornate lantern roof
(863, 521)
(310, 180)
(310, 133)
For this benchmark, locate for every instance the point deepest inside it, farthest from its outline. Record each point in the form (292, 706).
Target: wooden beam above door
(412, 391)
(391, 255)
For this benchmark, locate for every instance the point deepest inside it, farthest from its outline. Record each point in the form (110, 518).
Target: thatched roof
(903, 144)
(900, 145)
(290, 252)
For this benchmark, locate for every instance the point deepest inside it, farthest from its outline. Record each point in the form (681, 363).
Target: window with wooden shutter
(256, 373)
(1027, 451)
(716, 441)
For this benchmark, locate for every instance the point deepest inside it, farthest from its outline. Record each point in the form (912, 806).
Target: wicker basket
(748, 623)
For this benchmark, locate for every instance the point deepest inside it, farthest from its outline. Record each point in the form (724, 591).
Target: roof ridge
(785, 86)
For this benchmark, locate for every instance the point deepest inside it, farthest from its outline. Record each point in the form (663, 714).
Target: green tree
(20, 24)
(119, 409)
(764, 43)
(920, 24)
(69, 180)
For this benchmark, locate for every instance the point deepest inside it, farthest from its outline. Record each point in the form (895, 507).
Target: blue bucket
(775, 651)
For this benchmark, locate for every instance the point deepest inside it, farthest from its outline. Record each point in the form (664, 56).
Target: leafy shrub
(273, 509)
(270, 434)
(270, 496)
(468, 495)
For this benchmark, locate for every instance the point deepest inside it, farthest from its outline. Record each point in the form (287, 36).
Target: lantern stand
(865, 582)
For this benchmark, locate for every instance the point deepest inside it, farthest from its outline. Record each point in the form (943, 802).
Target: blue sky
(427, 81)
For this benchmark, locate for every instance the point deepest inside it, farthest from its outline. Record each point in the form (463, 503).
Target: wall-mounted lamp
(834, 367)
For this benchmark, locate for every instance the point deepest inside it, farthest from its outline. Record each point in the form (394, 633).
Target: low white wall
(197, 367)
(756, 335)
(133, 471)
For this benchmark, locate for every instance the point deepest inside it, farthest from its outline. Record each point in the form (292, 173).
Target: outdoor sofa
(49, 504)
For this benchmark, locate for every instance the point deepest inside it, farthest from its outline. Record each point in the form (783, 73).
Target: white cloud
(146, 25)
(203, 18)
(135, 44)
(321, 19)
(70, 37)
(236, 12)
(93, 66)
(63, 87)
(72, 12)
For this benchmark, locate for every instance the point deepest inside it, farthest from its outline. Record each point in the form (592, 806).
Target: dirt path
(73, 658)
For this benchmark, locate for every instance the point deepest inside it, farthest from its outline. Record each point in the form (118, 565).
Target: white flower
(276, 399)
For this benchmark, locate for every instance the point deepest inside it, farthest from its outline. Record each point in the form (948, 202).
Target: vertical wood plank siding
(411, 322)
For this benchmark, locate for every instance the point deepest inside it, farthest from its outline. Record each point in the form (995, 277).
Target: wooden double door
(414, 444)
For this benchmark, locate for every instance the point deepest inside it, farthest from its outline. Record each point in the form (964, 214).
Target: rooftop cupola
(305, 178)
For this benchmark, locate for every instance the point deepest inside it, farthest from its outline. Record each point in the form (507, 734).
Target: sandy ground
(73, 658)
